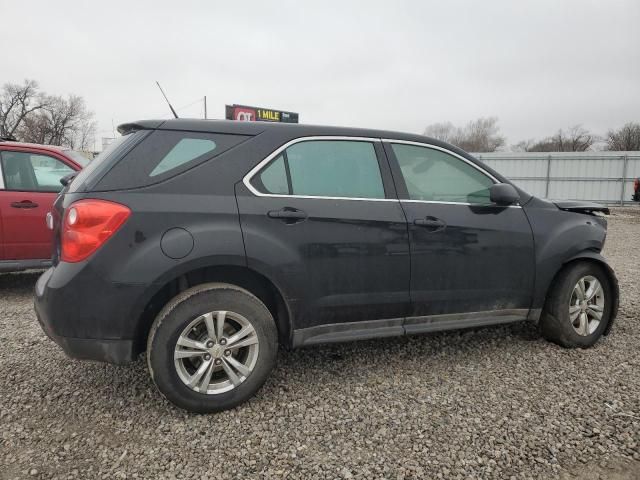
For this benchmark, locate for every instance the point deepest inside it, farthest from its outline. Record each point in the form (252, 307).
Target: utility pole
(205, 107)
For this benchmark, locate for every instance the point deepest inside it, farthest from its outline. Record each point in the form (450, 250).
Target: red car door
(29, 185)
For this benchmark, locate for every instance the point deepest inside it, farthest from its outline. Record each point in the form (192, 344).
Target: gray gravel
(489, 403)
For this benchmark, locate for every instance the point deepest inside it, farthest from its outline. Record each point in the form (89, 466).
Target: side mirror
(503, 194)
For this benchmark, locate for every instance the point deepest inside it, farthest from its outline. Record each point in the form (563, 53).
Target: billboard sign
(245, 113)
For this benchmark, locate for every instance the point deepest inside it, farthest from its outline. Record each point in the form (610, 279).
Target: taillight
(87, 225)
(636, 185)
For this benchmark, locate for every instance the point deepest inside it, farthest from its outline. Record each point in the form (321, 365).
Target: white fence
(604, 177)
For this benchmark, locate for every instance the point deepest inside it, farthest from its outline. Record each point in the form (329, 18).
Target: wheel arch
(596, 258)
(161, 292)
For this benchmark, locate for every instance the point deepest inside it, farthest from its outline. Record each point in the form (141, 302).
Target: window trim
(394, 161)
(255, 170)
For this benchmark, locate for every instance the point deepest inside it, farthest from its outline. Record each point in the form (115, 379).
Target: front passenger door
(468, 256)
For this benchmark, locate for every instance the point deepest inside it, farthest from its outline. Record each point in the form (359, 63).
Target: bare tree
(574, 139)
(445, 131)
(524, 146)
(626, 138)
(65, 122)
(17, 103)
(481, 135)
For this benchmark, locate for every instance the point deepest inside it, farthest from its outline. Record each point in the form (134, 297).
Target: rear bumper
(87, 316)
(111, 351)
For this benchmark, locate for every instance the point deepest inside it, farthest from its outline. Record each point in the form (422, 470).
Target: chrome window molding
(254, 171)
(466, 204)
(247, 178)
(442, 149)
(1, 178)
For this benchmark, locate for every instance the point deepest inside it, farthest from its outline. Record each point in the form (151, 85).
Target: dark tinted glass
(164, 154)
(90, 174)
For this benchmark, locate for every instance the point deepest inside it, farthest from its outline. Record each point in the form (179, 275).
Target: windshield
(77, 157)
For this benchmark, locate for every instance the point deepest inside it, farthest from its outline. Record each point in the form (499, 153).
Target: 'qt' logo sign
(245, 115)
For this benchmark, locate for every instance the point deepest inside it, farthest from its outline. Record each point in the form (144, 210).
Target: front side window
(434, 175)
(324, 168)
(30, 172)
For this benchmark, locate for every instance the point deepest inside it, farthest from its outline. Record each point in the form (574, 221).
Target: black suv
(210, 243)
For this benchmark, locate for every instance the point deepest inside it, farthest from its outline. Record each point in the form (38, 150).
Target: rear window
(101, 164)
(164, 154)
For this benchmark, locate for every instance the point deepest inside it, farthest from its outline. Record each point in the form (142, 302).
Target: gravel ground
(489, 403)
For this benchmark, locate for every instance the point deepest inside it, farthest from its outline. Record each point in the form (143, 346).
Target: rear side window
(186, 150)
(101, 164)
(164, 154)
(324, 168)
(273, 179)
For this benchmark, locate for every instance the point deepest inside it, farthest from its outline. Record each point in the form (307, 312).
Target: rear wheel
(212, 347)
(579, 306)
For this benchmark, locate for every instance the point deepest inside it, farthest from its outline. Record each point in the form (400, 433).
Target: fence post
(546, 190)
(624, 179)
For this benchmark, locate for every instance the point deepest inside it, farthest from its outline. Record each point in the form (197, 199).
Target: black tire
(177, 315)
(555, 324)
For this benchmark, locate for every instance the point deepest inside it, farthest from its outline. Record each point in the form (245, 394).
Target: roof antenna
(168, 102)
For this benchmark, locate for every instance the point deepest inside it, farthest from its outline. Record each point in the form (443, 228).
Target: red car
(29, 183)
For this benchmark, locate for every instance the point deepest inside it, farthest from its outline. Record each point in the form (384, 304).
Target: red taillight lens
(87, 224)
(636, 185)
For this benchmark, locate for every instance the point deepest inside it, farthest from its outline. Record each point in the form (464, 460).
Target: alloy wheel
(586, 305)
(216, 352)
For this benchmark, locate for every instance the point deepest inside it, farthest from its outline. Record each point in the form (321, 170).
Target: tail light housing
(87, 225)
(636, 185)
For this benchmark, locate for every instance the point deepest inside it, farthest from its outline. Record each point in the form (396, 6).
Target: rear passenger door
(320, 217)
(29, 185)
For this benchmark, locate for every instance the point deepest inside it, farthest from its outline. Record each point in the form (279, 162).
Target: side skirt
(19, 265)
(346, 332)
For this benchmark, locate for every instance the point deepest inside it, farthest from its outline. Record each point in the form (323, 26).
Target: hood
(580, 207)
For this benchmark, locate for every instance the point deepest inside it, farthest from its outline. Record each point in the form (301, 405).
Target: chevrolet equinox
(208, 244)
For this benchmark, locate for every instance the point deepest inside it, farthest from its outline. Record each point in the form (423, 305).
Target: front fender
(560, 237)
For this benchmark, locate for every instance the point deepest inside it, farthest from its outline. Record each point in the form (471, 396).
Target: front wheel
(212, 347)
(579, 306)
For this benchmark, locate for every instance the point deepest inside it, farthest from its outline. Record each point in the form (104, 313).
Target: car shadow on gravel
(19, 282)
(130, 386)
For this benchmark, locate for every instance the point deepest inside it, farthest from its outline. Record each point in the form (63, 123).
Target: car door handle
(24, 204)
(432, 224)
(290, 215)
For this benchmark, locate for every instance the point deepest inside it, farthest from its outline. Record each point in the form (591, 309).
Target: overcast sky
(537, 65)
